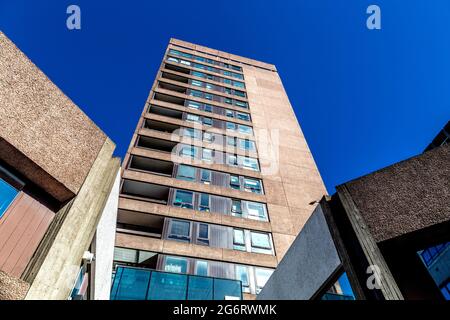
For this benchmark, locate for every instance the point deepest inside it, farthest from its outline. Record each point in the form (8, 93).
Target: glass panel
(201, 268)
(204, 202)
(180, 230)
(262, 275)
(166, 286)
(232, 160)
(207, 108)
(261, 240)
(243, 116)
(207, 121)
(231, 141)
(247, 144)
(200, 288)
(183, 199)
(234, 182)
(207, 154)
(245, 129)
(197, 83)
(227, 289)
(193, 118)
(194, 105)
(236, 208)
(242, 275)
(186, 173)
(256, 210)
(249, 163)
(231, 126)
(203, 233)
(174, 264)
(132, 284)
(125, 255)
(238, 239)
(252, 185)
(189, 151)
(206, 176)
(229, 113)
(7, 195)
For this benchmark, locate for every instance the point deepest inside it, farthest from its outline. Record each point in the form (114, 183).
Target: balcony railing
(144, 284)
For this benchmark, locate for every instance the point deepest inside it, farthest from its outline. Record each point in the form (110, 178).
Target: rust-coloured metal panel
(21, 229)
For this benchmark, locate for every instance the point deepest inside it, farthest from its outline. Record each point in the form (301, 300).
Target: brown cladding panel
(21, 229)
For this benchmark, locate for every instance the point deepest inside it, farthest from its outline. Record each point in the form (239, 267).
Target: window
(7, 195)
(231, 141)
(201, 268)
(249, 163)
(252, 185)
(204, 202)
(208, 137)
(228, 101)
(207, 121)
(227, 81)
(193, 105)
(208, 96)
(241, 104)
(234, 182)
(262, 275)
(242, 275)
(186, 173)
(236, 208)
(238, 239)
(232, 160)
(172, 59)
(176, 264)
(191, 132)
(239, 93)
(207, 154)
(207, 108)
(227, 90)
(237, 75)
(196, 83)
(245, 144)
(255, 210)
(229, 113)
(189, 151)
(205, 176)
(260, 242)
(198, 74)
(245, 129)
(210, 86)
(231, 126)
(180, 230)
(243, 116)
(196, 93)
(183, 199)
(203, 233)
(238, 84)
(185, 62)
(193, 118)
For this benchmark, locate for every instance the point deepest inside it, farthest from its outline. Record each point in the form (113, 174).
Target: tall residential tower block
(217, 182)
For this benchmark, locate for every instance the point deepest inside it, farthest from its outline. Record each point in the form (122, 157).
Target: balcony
(145, 284)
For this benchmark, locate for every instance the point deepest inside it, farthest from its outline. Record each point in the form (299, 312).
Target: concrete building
(217, 182)
(383, 236)
(59, 189)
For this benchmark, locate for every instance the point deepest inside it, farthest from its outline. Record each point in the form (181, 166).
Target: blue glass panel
(7, 195)
(133, 284)
(226, 288)
(167, 286)
(200, 288)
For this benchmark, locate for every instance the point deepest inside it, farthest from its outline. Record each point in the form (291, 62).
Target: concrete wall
(405, 197)
(59, 268)
(104, 245)
(43, 134)
(290, 176)
(308, 264)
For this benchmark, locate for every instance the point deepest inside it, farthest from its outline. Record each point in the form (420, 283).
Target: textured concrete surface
(59, 270)
(407, 196)
(43, 134)
(12, 288)
(290, 176)
(308, 263)
(104, 245)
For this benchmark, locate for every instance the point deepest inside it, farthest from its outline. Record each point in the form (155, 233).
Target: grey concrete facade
(310, 261)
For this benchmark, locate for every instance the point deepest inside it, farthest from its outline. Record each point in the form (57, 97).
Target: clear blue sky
(364, 99)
